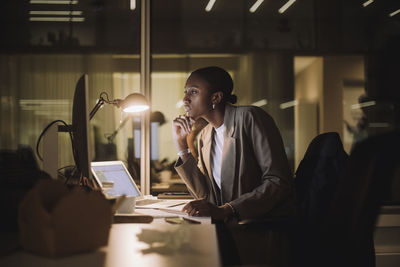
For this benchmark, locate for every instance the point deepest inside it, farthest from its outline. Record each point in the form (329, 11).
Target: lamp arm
(111, 137)
(98, 105)
(116, 102)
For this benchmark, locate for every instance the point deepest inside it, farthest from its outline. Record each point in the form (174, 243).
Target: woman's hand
(181, 127)
(206, 209)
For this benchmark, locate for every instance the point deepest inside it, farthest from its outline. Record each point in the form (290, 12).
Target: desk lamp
(133, 103)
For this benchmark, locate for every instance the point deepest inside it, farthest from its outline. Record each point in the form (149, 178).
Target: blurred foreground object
(57, 221)
(19, 172)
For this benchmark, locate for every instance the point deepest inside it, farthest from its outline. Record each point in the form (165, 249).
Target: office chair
(316, 180)
(347, 233)
(317, 175)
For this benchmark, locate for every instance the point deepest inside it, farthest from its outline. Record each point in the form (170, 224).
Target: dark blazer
(255, 177)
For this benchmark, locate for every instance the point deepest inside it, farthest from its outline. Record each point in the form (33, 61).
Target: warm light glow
(367, 3)
(394, 13)
(286, 6)
(136, 108)
(260, 103)
(288, 104)
(133, 4)
(133, 103)
(57, 19)
(210, 5)
(53, 2)
(64, 13)
(254, 7)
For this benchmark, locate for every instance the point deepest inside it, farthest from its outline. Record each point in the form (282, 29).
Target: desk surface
(163, 244)
(156, 244)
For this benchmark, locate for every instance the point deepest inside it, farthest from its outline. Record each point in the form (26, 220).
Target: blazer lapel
(206, 149)
(228, 168)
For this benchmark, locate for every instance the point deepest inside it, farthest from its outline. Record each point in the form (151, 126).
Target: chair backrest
(316, 181)
(349, 225)
(317, 175)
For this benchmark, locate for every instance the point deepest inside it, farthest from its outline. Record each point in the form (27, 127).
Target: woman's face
(197, 100)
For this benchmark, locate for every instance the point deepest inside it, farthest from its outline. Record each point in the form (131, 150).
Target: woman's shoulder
(251, 111)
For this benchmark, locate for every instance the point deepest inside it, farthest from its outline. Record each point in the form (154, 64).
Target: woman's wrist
(181, 145)
(228, 210)
(183, 152)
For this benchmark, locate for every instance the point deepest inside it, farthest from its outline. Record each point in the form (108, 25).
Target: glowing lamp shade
(134, 103)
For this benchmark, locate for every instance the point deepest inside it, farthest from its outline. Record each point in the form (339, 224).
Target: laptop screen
(115, 172)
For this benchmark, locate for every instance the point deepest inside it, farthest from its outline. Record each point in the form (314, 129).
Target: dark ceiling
(183, 26)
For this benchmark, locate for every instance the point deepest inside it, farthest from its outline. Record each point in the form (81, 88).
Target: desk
(156, 244)
(210, 245)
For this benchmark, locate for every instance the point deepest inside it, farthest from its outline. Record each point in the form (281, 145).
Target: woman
(242, 170)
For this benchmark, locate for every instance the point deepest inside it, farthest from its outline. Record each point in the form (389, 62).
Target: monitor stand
(50, 149)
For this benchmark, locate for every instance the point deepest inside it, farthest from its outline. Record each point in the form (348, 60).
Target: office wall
(167, 91)
(308, 94)
(319, 93)
(337, 69)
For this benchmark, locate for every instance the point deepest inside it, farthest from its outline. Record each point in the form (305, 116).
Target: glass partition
(308, 63)
(305, 62)
(45, 48)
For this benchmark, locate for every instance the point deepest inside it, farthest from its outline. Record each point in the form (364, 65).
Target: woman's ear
(217, 97)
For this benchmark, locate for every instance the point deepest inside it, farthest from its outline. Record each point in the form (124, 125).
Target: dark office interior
(316, 66)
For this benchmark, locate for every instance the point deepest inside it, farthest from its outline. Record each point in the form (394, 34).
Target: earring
(213, 106)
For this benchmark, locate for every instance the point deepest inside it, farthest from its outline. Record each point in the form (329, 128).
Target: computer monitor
(80, 128)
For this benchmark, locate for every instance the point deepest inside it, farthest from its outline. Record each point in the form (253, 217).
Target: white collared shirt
(216, 154)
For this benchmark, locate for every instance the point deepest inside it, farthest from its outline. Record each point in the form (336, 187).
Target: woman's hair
(218, 80)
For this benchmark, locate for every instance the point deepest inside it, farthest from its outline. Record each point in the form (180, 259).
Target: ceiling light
(288, 104)
(286, 6)
(53, 2)
(260, 103)
(133, 4)
(210, 5)
(394, 13)
(63, 13)
(57, 19)
(367, 3)
(39, 102)
(363, 105)
(254, 7)
(378, 124)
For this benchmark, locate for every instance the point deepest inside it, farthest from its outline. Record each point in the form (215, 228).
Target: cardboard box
(57, 221)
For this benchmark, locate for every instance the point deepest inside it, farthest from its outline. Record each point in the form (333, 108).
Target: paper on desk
(165, 204)
(156, 213)
(172, 212)
(164, 211)
(177, 211)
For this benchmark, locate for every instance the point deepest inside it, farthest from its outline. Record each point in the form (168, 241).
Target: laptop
(115, 180)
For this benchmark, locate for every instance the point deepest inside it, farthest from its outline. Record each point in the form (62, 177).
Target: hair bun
(232, 99)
